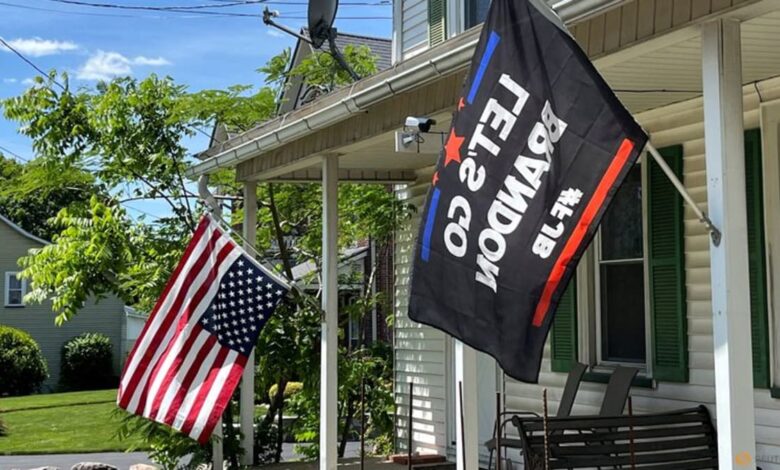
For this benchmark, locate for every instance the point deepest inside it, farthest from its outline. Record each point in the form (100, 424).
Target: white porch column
(330, 323)
(248, 379)
(466, 419)
(725, 163)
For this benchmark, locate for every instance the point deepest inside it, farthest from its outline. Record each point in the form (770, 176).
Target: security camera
(422, 124)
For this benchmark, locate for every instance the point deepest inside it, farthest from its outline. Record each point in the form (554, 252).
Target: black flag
(538, 147)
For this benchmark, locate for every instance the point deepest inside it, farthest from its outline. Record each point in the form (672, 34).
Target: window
(354, 333)
(476, 12)
(628, 304)
(621, 280)
(15, 289)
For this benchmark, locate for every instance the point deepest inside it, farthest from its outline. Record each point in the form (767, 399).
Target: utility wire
(14, 154)
(29, 62)
(191, 10)
(81, 13)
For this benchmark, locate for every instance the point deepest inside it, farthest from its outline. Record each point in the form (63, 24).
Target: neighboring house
(650, 305)
(296, 93)
(106, 317)
(355, 268)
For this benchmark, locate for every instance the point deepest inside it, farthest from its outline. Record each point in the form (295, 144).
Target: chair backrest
(570, 390)
(617, 391)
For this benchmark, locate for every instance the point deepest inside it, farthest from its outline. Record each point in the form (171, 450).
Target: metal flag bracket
(715, 233)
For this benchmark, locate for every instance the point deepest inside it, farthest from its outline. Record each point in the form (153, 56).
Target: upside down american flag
(192, 351)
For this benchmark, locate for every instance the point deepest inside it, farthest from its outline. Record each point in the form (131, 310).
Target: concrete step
(435, 466)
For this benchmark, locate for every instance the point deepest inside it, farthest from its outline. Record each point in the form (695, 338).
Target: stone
(143, 466)
(46, 468)
(93, 466)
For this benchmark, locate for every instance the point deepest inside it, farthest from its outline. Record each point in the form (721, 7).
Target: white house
(644, 294)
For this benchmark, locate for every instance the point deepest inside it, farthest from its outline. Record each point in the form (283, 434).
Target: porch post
(248, 379)
(466, 419)
(330, 324)
(725, 165)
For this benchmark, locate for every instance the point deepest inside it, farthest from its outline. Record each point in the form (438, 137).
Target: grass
(61, 423)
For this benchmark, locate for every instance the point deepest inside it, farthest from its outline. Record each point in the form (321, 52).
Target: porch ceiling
(653, 74)
(676, 69)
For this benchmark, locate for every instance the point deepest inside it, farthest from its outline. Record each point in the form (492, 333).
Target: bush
(291, 389)
(87, 362)
(21, 362)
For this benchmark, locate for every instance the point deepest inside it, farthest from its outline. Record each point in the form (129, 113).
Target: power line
(201, 8)
(81, 13)
(153, 8)
(29, 62)
(14, 154)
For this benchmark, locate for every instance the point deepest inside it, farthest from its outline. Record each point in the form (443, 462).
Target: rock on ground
(93, 466)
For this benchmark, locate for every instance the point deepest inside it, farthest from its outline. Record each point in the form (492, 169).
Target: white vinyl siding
(414, 27)
(420, 351)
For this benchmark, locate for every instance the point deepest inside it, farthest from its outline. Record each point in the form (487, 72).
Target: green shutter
(667, 270)
(563, 336)
(759, 315)
(437, 21)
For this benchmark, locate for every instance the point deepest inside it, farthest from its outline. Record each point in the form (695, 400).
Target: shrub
(21, 362)
(291, 389)
(87, 362)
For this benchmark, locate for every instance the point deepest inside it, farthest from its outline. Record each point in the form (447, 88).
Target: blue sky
(199, 51)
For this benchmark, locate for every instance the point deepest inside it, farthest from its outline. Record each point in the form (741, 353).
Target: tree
(30, 195)
(128, 135)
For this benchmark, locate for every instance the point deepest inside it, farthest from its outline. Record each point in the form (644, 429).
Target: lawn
(61, 423)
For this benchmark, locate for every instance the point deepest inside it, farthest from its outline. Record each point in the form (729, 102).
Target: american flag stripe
(229, 374)
(161, 333)
(188, 318)
(205, 281)
(192, 392)
(141, 375)
(185, 379)
(162, 312)
(203, 392)
(192, 352)
(171, 363)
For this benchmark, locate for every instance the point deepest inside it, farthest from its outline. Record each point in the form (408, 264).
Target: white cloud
(273, 32)
(9, 80)
(28, 81)
(104, 66)
(37, 47)
(153, 61)
(107, 65)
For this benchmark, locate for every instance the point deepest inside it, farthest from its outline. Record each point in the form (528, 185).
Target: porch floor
(372, 463)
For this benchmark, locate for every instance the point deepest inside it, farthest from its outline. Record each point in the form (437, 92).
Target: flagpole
(214, 210)
(703, 218)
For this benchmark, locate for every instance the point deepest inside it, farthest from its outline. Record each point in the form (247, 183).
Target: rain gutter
(358, 100)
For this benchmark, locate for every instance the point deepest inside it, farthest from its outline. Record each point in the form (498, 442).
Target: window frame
(593, 315)
(7, 289)
(770, 150)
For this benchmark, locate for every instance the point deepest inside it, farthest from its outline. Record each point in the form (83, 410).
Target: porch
(725, 62)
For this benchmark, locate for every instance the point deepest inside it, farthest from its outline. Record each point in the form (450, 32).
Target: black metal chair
(564, 409)
(616, 394)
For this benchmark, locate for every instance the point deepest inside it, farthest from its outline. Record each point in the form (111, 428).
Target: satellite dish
(322, 13)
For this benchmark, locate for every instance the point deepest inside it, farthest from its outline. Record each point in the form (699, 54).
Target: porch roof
(358, 123)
